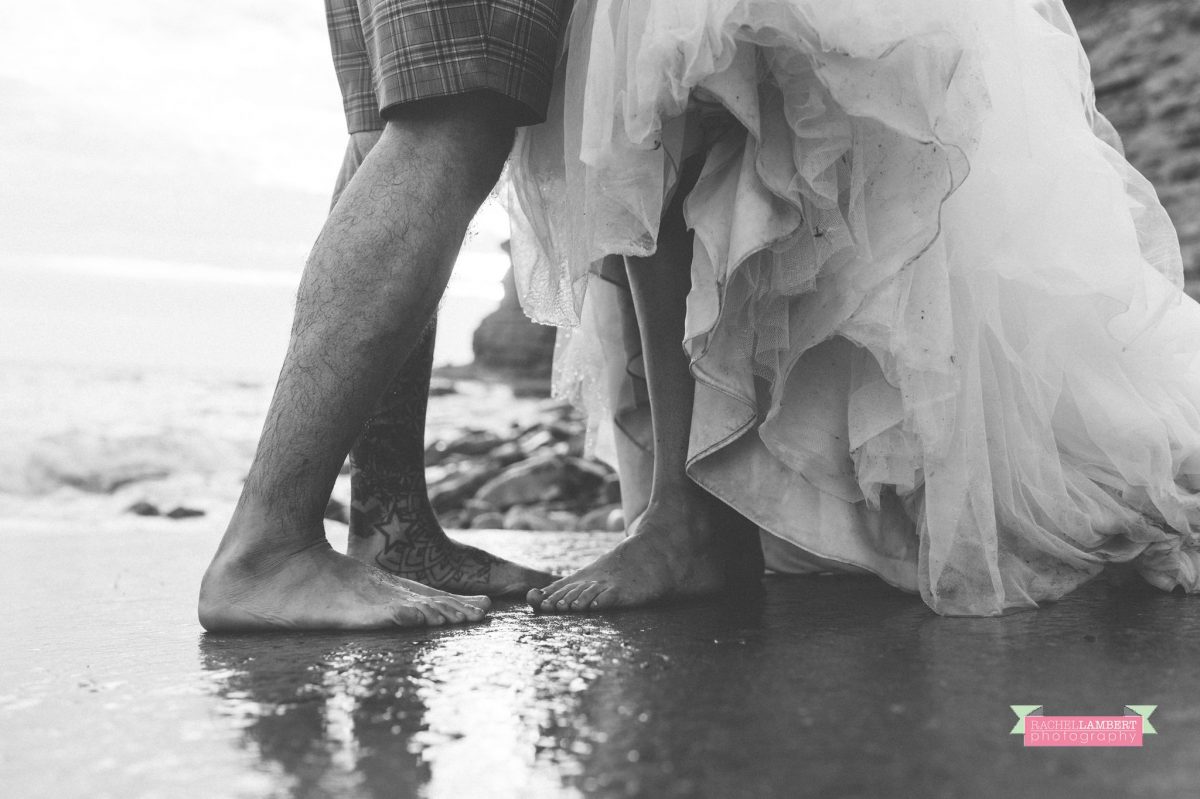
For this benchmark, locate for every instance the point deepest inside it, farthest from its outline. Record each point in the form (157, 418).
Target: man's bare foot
(392, 524)
(674, 551)
(316, 588)
(416, 548)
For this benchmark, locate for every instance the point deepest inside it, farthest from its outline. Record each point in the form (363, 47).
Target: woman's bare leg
(682, 544)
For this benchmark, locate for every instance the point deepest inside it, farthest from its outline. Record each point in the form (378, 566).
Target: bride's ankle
(685, 500)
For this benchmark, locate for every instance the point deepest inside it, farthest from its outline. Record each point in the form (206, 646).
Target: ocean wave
(99, 463)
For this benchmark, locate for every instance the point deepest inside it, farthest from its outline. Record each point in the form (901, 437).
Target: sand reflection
(498, 709)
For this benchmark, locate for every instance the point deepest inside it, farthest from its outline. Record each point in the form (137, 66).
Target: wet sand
(828, 687)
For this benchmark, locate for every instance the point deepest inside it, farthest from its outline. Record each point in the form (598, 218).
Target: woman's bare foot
(414, 546)
(316, 588)
(675, 550)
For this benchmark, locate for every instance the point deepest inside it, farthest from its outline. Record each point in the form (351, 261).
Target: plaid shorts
(390, 52)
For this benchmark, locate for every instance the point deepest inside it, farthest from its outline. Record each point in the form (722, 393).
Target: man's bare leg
(686, 540)
(371, 285)
(392, 524)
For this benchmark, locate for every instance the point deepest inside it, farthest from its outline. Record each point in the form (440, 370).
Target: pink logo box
(1083, 731)
(1042, 730)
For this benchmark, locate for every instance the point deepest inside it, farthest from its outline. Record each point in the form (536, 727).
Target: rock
(519, 517)
(143, 508)
(597, 519)
(473, 443)
(544, 478)
(533, 518)
(472, 508)
(454, 520)
(477, 506)
(1118, 80)
(435, 454)
(440, 387)
(1184, 170)
(539, 479)
(104, 479)
(535, 440)
(458, 487)
(523, 387)
(610, 493)
(489, 520)
(506, 340)
(563, 520)
(508, 453)
(569, 429)
(335, 511)
(184, 513)
(616, 521)
(1145, 59)
(588, 476)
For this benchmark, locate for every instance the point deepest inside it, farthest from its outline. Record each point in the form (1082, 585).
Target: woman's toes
(535, 597)
(605, 598)
(584, 600)
(556, 601)
(571, 596)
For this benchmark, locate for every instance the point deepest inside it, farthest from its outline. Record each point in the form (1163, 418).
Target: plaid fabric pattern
(389, 52)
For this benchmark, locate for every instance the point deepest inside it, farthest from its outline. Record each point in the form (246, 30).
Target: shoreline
(126, 447)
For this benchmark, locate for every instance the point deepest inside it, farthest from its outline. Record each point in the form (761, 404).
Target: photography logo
(1042, 730)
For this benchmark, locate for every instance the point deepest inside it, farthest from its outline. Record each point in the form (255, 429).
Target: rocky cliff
(1145, 57)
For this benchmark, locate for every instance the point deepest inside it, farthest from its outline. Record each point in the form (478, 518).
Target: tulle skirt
(936, 321)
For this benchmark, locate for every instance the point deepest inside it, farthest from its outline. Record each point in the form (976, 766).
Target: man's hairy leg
(371, 285)
(392, 523)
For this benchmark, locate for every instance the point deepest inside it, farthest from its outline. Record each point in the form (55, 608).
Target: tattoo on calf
(389, 497)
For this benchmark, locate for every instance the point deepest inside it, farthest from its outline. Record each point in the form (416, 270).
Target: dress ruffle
(936, 319)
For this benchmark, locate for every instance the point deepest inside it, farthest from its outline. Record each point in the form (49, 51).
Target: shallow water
(827, 687)
(81, 445)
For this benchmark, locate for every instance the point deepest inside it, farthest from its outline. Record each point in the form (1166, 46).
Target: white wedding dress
(936, 320)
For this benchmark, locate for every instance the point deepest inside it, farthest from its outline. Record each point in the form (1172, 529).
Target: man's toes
(476, 607)
(436, 612)
(459, 609)
(453, 612)
(585, 598)
(408, 614)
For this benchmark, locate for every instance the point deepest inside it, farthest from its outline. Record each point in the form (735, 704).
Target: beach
(828, 686)
(166, 170)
